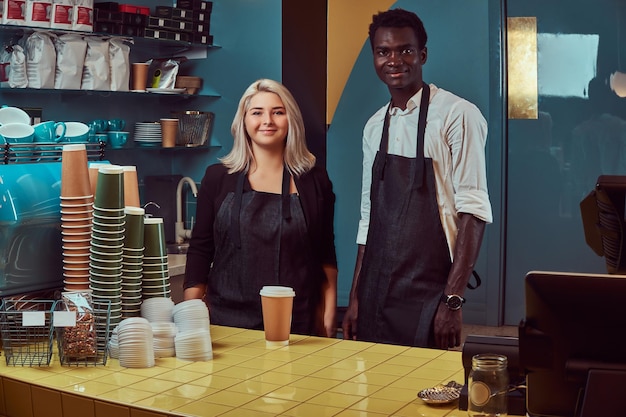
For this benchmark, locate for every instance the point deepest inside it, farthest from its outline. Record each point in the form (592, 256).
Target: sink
(177, 248)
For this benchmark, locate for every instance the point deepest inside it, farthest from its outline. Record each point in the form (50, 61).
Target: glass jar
(488, 386)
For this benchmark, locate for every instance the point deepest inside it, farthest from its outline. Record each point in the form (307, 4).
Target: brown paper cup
(169, 132)
(277, 305)
(131, 187)
(74, 171)
(140, 76)
(93, 175)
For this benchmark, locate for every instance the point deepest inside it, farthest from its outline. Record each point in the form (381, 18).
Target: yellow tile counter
(313, 376)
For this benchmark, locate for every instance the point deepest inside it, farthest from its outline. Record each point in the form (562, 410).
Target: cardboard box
(103, 15)
(195, 5)
(203, 28)
(113, 28)
(173, 13)
(169, 24)
(153, 33)
(136, 19)
(112, 6)
(130, 8)
(201, 38)
(131, 30)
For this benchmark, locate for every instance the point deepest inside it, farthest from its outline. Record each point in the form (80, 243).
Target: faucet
(181, 232)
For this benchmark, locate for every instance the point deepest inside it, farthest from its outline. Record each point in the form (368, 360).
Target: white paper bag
(71, 50)
(119, 54)
(40, 60)
(97, 67)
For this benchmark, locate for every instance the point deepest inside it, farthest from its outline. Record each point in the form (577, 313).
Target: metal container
(194, 127)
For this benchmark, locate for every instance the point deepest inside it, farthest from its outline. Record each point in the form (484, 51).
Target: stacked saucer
(107, 240)
(148, 134)
(134, 343)
(155, 275)
(193, 340)
(76, 217)
(132, 262)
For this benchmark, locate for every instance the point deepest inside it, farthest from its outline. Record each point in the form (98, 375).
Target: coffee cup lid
(277, 291)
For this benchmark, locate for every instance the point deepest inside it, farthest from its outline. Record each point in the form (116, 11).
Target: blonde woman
(265, 217)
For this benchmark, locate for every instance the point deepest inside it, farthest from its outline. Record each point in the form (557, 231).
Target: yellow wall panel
(348, 21)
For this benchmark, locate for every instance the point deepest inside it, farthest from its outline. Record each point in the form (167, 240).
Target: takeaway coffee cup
(277, 305)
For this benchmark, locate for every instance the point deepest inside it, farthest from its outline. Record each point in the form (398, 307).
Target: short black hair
(399, 18)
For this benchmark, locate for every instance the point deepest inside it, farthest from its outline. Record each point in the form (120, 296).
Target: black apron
(406, 261)
(261, 239)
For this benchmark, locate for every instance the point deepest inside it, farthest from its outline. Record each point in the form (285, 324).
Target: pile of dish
(148, 134)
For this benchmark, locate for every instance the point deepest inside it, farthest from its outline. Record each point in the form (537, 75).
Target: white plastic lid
(277, 291)
(134, 210)
(111, 169)
(153, 220)
(74, 147)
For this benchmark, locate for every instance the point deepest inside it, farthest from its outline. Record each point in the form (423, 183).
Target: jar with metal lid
(488, 383)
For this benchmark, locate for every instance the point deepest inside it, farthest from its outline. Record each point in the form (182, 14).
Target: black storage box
(195, 5)
(507, 346)
(107, 5)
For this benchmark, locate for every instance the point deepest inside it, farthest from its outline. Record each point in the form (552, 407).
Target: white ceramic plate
(166, 90)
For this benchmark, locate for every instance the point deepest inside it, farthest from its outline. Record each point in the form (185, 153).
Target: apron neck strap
(286, 206)
(421, 129)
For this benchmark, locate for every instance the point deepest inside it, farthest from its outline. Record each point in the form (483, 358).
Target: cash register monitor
(572, 344)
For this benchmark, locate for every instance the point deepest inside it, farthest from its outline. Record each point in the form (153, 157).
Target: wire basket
(26, 328)
(85, 344)
(194, 127)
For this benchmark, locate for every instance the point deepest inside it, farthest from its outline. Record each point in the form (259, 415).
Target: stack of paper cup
(132, 262)
(155, 281)
(76, 217)
(107, 240)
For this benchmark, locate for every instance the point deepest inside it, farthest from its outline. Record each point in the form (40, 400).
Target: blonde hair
(298, 158)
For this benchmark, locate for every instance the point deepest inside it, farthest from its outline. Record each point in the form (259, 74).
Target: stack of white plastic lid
(158, 311)
(193, 340)
(135, 344)
(114, 347)
(163, 334)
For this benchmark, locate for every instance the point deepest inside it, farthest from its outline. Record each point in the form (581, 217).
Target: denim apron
(261, 239)
(406, 261)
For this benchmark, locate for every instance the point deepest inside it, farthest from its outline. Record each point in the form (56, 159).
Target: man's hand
(349, 320)
(448, 324)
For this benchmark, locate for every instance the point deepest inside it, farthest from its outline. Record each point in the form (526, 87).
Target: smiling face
(398, 62)
(266, 121)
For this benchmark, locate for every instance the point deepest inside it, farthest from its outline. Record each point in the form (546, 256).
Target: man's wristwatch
(453, 302)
